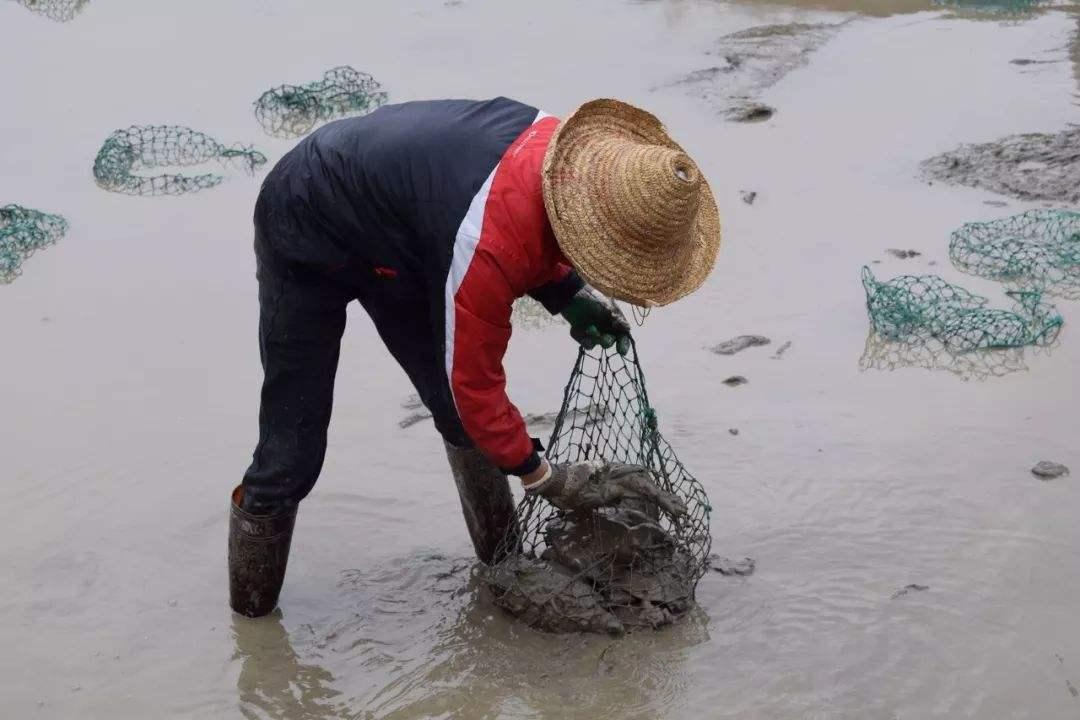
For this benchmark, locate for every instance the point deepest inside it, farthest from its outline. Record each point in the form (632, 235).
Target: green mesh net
(1036, 250)
(997, 7)
(58, 10)
(615, 568)
(22, 233)
(127, 153)
(926, 309)
(294, 110)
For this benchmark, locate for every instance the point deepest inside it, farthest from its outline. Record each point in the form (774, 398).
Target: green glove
(597, 320)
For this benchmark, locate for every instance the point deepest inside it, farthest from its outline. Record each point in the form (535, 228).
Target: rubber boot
(486, 501)
(258, 553)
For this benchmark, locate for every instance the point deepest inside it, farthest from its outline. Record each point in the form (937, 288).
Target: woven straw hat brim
(604, 229)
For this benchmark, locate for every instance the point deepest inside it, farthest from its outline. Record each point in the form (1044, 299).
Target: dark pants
(301, 320)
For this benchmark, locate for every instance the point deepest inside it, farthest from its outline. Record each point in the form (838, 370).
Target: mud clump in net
(58, 10)
(925, 309)
(614, 568)
(22, 233)
(1036, 250)
(128, 153)
(289, 111)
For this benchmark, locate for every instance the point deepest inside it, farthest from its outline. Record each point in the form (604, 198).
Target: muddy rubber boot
(258, 553)
(485, 497)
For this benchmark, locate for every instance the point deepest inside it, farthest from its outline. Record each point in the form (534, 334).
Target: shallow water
(131, 387)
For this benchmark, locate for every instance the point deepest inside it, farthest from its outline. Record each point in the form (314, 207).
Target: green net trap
(124, 159)
(294, 110)
(924, 309)
(58, 10)
(616, 568)
(1036, 250)
(997, 7)
(22, 233)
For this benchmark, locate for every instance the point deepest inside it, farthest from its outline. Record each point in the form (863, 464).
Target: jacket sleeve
(556, 293)
(481, 332)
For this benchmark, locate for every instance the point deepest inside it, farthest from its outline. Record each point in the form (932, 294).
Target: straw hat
(630, 210)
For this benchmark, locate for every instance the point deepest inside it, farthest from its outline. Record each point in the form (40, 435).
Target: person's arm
(476, 344)
(555, 294)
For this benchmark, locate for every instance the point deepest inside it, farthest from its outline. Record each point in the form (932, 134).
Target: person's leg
(301, 320)
(486, 502)
(402, 316)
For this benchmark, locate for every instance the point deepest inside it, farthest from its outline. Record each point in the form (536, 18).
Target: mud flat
(1030, 166)
(747, 62)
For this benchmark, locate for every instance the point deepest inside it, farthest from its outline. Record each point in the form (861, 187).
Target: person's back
(392, 187)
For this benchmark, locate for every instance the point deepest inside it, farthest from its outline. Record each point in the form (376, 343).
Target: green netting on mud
(1036, 250)
(921, 309)
(997, 7)
(127, 153)
(58, 10)
(614, 568)
(22, 233)
(294, 110)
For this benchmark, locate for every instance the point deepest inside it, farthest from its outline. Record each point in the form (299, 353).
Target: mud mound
(747, 62)
(1032, 166)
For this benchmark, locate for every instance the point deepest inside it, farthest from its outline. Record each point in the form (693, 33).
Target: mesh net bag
(58, 10)
(1036, 250)
(128, 152)
(22, 233)
(610, 569)
(290, 111)
(925, 309)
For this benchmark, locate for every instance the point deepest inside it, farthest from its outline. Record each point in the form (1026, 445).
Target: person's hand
(587, 486)
(597, 320)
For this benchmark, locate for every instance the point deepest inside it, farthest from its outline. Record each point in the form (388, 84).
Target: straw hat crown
(628, 206)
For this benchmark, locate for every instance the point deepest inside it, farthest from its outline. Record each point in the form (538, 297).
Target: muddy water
(131, 383)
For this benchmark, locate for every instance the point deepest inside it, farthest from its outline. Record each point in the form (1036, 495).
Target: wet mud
(913, 587)
(727, 566)
(740, 343)
(1047, 470)
(743, 64)
(120, 447)
(781, 350)
(1030, 166)
(610, 570)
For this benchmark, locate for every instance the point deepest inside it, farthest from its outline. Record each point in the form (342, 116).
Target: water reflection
(882, 353)
(418, 637)
(273, 681)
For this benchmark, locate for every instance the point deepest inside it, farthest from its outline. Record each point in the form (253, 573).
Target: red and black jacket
(444, 197)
